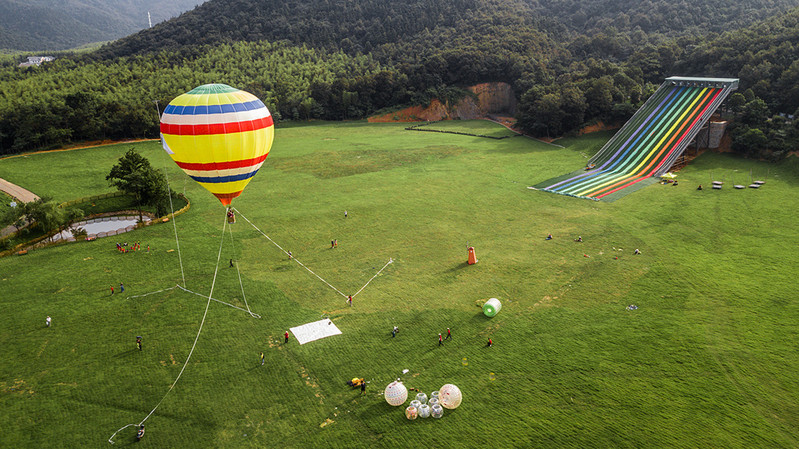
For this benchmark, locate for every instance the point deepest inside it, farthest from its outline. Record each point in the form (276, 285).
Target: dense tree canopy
(570, 63)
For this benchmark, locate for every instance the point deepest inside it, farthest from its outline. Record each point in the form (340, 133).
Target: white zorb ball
(415, 403)
(434, 394)
(411, 412)
(424, 411)
(436, 411)
(449, 396)
(396, 394)
(421, 397)
(432, 402)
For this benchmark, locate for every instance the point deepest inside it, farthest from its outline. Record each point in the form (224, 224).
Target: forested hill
(364, 25)
(347, 59)
(63, 24)
(359, 25)
(671, 18)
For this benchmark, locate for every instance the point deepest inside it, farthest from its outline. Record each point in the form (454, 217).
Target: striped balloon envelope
(219, 135)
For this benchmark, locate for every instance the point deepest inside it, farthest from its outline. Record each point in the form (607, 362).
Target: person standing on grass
(449, 334)
(112, 289)
(287, 337)
(440, 340)
(231, 263)
(48, 321)
(140, 433)
(332, 244)
(345, 214)
(490, 343)
(349, 300)
(363, 387)
(394, 332)
(121, 288)
(138, 342)
(262, 358)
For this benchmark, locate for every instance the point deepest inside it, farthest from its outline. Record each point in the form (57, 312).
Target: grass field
(707, 360)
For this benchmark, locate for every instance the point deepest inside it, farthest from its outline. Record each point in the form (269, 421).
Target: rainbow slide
(649, 143)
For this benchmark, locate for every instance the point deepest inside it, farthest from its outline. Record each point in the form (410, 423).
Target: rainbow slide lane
(648, 144)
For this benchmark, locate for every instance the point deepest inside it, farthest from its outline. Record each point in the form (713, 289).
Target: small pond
(103, 227)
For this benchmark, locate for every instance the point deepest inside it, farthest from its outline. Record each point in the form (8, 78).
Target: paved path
(25, 196)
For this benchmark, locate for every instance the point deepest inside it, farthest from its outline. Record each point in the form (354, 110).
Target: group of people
(121, 288)
(448, 337)
(124, 248)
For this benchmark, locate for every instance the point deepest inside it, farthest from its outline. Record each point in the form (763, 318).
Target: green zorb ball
(492, 307)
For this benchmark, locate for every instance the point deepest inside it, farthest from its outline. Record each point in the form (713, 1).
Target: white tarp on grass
(315, 331)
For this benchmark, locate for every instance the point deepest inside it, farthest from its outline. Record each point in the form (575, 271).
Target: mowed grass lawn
(707, 360)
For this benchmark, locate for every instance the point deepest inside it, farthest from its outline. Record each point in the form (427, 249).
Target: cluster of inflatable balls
(449, 396)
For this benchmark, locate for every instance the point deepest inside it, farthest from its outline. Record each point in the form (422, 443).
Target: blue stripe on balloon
(221, 179)
(214, 109)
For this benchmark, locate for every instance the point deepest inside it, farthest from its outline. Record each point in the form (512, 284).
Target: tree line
(313, 67)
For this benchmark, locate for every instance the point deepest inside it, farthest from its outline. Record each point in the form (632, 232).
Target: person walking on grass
(449, 334)
(140, 433)
(231, 263)
(440, 340)
(287, 337)
(490, 343)
(349, 300)
(48, 321)
(262, 358)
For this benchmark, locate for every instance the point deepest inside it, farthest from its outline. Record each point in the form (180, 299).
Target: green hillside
(378, 56)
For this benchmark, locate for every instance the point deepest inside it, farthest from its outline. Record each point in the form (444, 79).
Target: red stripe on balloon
(221, 165)
(216, 128)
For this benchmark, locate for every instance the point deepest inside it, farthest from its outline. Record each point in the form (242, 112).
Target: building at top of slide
(650, 142)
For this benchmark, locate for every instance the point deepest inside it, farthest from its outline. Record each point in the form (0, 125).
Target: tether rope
(390, 260)
(174, 225)
(152, 293)
(254, 315)
(196, 338)
(243, 295)
(286, 252)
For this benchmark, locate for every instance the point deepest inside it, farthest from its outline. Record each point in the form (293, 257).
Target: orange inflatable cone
(472, 257)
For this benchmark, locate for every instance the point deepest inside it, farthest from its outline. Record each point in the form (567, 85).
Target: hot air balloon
(219, 135)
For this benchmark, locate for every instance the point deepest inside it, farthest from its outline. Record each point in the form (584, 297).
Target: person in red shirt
(287, 336)
(490, 343)
(440, 340)
(449, 334)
